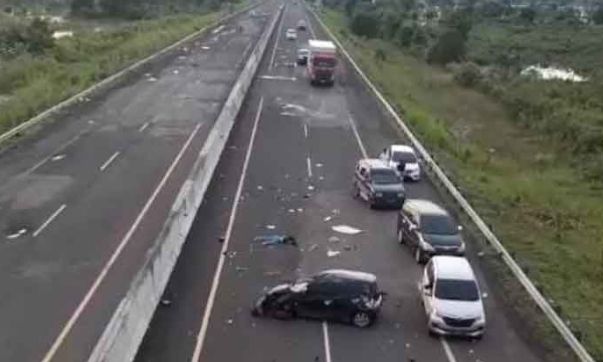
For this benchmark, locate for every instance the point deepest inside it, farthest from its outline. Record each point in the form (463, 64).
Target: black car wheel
(362, 319)
(285, 311)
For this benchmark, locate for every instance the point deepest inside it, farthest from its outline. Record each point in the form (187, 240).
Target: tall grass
(29, 84)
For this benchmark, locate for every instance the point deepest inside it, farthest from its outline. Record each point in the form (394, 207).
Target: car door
(414, 229)
(316, 301)
(427, 287)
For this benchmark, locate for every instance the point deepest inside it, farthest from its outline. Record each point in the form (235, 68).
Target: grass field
(29, 84)
(522, 184)
(577, 47)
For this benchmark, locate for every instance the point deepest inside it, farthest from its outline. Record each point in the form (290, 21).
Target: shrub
(468, 74)
(365, 24)
(450, 47)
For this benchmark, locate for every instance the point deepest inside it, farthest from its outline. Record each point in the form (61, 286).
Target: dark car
(428, 230)
(302, 56)
(301, 25)
(339, 295)
(378, 184)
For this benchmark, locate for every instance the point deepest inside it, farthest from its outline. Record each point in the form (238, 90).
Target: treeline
(136, 9)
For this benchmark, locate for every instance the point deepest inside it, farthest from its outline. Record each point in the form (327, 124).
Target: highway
(287, 169)
(84, 196)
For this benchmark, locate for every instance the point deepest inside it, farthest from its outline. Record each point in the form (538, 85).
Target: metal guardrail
(534, 293)
(112, 78)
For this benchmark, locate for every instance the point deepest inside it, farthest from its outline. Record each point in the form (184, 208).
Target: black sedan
(339, 295)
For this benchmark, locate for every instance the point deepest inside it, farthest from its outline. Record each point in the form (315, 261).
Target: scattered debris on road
(17, 234)
(333, 253)
(334, 239)
(269, 240)
(270, 227)
(57, 158)
(346, 229)
(313, 247)
(166, 302)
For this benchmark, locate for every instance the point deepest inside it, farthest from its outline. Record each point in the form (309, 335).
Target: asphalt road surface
(288, 169)
(82, 198)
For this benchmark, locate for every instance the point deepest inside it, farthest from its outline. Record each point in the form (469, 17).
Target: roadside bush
(468, 74)
(405, 35)
(34, 38)
(598, 16)
(450, 47)
(365, 24)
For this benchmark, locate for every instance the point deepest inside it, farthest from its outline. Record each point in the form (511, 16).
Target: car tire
(401, 237)
(362, 319)
(285, 312)
(431, 333)
(356, 191)
(419, 257)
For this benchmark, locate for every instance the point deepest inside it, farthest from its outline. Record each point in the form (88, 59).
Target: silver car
(451, 297)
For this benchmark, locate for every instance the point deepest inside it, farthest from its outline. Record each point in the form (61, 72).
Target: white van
(451, 297)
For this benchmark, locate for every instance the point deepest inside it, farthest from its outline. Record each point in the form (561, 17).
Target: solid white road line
(49, 220)
(108, 162)
(306, 130)
(143, 127)
(357, 135)
(448, 351)
(278, 37)
(277, 77)
(124, 242)
(325, 335)
(309, 164)
(233, 213)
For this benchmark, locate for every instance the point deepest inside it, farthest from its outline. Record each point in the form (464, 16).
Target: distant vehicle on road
(301, 25)
(451, 297)
(379, 185)
(403, 159)
(428, 230)
(302, 56)
(291, 34)
(339, 295)
(322, 61)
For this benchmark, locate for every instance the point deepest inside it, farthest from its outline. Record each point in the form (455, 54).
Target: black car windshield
(404, 157)
(385, 177)
(452, 289)
(438, 224)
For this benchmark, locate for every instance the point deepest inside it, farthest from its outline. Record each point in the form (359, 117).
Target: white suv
(451, 297)
(404, 160)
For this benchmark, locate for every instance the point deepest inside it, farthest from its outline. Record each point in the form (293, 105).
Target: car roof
(402, 148)
(424, 207)
(452, 267)
(374, 163)
(350, 274)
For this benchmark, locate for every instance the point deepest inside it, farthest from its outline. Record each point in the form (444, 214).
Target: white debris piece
(332, 253)
(57, 158)
(346, 229)
(548, 73)
(327, 219)
(59, 34)
(152, 79)
(17, 234)
(310, 187)
(205, 47)
(270, 227)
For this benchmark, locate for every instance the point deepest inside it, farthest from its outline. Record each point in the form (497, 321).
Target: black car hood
(443, 241)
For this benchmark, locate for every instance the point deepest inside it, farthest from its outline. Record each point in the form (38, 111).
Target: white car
(291, 34)
(451, 297)
(404, 160)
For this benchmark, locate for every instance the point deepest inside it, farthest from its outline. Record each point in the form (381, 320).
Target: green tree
(365, 24)
(461, 21)
(450, 47)
(405, 35)
(82, 6)
(528, 14)
(598, 16)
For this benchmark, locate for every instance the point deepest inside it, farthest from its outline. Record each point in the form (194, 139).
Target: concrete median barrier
(125, 331)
